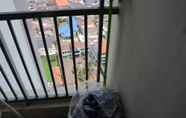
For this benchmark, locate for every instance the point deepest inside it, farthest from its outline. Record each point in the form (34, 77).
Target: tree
(81, 71)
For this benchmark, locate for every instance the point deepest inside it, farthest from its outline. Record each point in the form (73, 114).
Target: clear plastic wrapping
(99, 103)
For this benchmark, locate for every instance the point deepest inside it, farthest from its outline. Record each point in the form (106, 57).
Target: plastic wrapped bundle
(96, 104)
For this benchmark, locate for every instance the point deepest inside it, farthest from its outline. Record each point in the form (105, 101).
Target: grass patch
(54, 62)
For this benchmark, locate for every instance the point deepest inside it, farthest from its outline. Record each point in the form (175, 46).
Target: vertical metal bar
(60, 54)
(34, 56)
(108, 40)
(86, 47)
(21, 56)
(8, 82)
(47, 54)
(13, 69)
(73, 51)
(100, 41)
(3, 93)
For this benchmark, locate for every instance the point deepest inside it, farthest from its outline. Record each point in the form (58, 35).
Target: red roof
(57, 75)
(104, 46)
(62, 3)
(91, 25)
(79, 45)
(65, 46)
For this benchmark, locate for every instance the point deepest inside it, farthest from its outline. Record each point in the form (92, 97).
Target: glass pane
(66, 47)
(93, 29)
(40, 50)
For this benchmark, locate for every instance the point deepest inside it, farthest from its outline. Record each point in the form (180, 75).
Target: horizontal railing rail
(52, 13)
(23, 17)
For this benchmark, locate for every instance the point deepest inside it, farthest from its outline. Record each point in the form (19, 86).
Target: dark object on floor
(96, 104)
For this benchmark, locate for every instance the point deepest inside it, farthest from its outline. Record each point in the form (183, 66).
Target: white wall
(150, 61)
(114, 39)
(21, 5)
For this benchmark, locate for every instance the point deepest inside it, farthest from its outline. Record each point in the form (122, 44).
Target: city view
(65, 43)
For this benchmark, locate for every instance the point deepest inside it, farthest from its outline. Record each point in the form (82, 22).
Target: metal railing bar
(21, 57)
(8, 83)
(60, 54)
(86, 46)
(47, 55)
(34, 57)
(3, 93)
(67, 12)
(15, 74)
(73, 51)
(108, 41)
(100, 41)
(101, 71)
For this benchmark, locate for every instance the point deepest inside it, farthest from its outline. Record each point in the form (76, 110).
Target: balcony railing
(23, 17)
